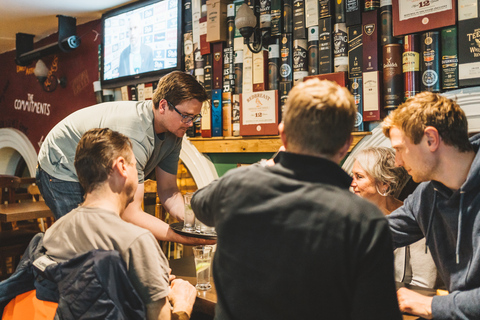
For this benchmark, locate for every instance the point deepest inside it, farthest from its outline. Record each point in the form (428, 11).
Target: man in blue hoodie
(430, 135)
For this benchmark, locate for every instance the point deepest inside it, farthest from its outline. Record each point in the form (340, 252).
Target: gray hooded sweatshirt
(450, 222)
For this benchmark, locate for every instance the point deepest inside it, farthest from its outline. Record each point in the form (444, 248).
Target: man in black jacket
(293, 242)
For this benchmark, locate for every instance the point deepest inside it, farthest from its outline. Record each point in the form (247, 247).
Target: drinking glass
(203, 262)
(189, 217)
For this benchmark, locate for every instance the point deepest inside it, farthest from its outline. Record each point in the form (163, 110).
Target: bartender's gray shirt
(131, 118)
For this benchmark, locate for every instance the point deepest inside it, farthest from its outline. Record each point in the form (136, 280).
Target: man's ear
(120, 166)
(433, 138)
(162, 106)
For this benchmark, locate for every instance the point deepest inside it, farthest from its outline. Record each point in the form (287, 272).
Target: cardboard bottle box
(217, 20)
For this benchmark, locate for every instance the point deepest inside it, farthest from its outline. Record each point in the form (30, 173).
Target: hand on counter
(414, 303)
(182, 297)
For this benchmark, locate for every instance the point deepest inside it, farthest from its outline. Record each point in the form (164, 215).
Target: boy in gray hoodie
(430, 135)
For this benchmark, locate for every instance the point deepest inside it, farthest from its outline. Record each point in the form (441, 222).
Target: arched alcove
(15, 145)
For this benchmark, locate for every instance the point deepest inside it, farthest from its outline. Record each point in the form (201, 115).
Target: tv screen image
(141, 39)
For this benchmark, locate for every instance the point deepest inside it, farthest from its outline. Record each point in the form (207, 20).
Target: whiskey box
(392, 76)
(411, 65)
(386, 32)
(312, 43)
(187, 16)
(371, 5)
(141, 91)
(274, 64)
(449, 58)
(260, 71)
(196, 14)
(311, 13)
(205, 47)
(355, 51)
(356, 88)
(371, 95)
(287, 16)
(127, 93)
(217, 118)
(206, 121)
(230, 25)
(217, 65)
(277, 19)
(148, 91)
(418, 16)
(299, 19)
(339, 77)
(259, 113)
(340, 53)
(238, 64)
(430, 61)
(188, 51)
(286, 57)
(228, 70)
(371, 53)
(265, 14)
(339, 11)
(469, 37)
(300, 61)
(217, 20)
(235, 115)
(353, 12)
(247, 73)
(325, 62)
(285, 87)
(227, 114)
(208, 74)
(325, 8)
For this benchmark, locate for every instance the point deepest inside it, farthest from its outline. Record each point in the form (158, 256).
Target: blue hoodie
(450, 222)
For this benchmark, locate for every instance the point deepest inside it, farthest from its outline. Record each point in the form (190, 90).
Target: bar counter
(204, 307)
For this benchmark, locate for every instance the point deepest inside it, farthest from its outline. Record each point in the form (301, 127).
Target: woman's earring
(384, 193)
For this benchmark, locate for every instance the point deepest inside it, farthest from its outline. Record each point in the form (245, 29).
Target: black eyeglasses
(185, 118)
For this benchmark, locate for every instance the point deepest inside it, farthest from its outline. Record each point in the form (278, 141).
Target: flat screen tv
(141, 42)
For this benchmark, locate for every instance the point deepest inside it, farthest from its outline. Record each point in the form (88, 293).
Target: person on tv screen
(155, 127)
(137, 57)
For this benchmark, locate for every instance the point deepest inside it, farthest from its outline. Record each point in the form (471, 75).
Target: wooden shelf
(254, 144)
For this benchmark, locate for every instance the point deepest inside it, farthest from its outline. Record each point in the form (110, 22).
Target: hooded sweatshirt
(450, 222)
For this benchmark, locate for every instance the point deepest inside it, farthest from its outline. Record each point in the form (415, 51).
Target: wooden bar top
(184, 268)
(24, 211)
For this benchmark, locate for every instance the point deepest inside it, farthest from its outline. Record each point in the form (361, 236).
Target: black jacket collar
(314, 169)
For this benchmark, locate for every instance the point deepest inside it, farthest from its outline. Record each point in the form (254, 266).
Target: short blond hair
(379, 163)
(319, 116)
(430, 109)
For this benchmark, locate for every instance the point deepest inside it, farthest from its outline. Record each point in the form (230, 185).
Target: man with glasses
(155, 127)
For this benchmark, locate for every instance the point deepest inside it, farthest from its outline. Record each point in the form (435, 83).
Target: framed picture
(412, 16)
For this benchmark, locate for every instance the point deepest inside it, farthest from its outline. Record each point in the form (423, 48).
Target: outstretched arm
(161, 230)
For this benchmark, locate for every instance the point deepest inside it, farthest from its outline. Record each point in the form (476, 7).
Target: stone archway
(15, 145)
